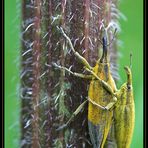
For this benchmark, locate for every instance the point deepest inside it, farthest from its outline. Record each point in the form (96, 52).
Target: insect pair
(111, 112)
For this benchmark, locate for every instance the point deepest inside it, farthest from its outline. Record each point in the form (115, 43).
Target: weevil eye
(128, 87)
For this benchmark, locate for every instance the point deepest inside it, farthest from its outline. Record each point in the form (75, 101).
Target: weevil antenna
(113, 37)
(106, 28)
(105, 45)
(105, 34)
(131, 60)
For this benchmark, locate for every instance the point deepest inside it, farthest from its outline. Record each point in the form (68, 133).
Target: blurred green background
(132, 37)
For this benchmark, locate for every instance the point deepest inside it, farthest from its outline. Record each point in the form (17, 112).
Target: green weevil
(106, 103)
(124, 113)
(100, 95)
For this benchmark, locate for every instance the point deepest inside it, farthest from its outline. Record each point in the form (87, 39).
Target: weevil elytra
(100, 95)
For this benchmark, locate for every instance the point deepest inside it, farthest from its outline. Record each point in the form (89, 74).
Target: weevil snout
(129, 75)
(127, 69)
(104, 54)
(105, 45)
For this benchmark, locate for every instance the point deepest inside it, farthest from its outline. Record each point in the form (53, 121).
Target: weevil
(124, 113)
(99, 119)
(106, 102)
(100, 95)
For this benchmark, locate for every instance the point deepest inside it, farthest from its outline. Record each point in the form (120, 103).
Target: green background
(132, 37)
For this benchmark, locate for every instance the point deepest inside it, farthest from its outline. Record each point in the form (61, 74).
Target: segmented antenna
(131, 60)
(106, 36)
(104, 43)
(113, 37)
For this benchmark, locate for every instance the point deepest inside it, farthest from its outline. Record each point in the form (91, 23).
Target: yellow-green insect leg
(80, 58)
(80, 107)
(75, 113)
(96, 104)
(107, 107)
(80, 75)
(104, 84)
(110, 105)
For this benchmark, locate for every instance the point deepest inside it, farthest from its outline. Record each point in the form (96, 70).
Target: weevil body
(99, 120)
(124, 113)
(101, 95)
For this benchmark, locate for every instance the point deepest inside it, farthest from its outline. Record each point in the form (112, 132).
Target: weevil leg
(107, 107)
(81, 58)
(110, 105)
(75, 113)
(94, 103)
(84, 76)
(105, 85)
(80, 107)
